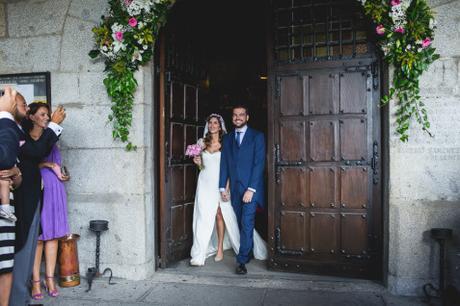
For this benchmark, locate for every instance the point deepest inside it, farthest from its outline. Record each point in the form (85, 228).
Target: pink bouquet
(194, 150)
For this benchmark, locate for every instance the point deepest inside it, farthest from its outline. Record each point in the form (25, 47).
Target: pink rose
(128, 2)
(119, 36)
(426, 42)
(399, 30)
(395, 2)
(380, 29)
(132, 22)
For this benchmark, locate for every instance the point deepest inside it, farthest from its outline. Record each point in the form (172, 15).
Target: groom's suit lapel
(234, 145)
(247, 137)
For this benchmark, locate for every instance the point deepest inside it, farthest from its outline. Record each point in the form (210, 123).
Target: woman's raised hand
(197, 160)
(58, 115)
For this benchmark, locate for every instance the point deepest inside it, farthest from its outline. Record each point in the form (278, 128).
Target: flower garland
(125, 40)
(405, 29)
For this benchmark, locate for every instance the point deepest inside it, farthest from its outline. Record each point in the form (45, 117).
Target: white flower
(140, 41)
(419, 50)
(145, 47)
(432, 23)
(137, 6)
(136, 56)
(140, 25)
(104, 48)
(408, 47)
(118, 45)
(116, 27)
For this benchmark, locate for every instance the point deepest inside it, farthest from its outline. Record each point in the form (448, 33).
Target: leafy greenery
(406, 42)
(125, 40)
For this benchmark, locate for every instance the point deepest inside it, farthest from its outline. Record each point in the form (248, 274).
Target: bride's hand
(197, 160)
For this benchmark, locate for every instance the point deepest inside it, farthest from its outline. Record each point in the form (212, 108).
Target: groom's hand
(247, 197)
(224, 196)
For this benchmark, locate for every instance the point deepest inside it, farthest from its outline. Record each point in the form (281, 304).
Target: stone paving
(216, 284)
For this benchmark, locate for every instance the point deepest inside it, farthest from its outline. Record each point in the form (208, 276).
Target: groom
(243, 162)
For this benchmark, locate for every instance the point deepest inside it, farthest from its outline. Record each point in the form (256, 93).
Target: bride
(215, 227)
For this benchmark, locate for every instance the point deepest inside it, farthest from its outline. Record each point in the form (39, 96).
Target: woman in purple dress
(54, 211)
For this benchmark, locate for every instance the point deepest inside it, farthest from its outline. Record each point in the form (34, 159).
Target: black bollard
(97, 226)
(441, 235)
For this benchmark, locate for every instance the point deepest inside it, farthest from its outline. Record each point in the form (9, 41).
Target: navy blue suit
(244, 166)
(9, 143)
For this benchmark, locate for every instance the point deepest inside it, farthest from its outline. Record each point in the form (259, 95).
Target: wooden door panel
(190, 134)
(188, 224)
(177, 184)
(200, 130)
(177, 100)
(354, 187)
(322, 140)
(190, 182)
(292, 136)
(323, 102)
(323, 187)
(293, 229)
(294, 188)
(292, 95)
(177, 141)
(353, 233)
(353, 139)
(190, 102)
(177, 222)
(353, 92)
(323, 90)
(324, 232)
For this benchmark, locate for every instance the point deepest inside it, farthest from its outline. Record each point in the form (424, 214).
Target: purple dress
(54, 211)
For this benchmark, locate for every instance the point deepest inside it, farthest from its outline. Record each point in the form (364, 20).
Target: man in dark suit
(243, 162)
(9, 139)
(27, 199)
(9, 148)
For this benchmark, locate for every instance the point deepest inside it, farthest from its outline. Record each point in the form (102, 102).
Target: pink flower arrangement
(395, 2)
(380, 29)
(132, 22)
(119, 36)
(399, 30)
(426, 43)
(193, 150)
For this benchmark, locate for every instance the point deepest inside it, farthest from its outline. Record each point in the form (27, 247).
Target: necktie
(238, 138)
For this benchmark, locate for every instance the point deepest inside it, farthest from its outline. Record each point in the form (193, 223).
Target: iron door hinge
(375, 162)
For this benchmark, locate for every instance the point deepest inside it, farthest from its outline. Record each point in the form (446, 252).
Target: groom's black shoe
(241, 269)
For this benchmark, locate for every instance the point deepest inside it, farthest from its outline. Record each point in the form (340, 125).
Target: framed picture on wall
(35, 87)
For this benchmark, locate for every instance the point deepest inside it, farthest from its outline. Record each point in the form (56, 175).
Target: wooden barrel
(69, 270)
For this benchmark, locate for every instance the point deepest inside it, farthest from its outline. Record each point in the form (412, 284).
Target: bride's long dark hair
(207, 138)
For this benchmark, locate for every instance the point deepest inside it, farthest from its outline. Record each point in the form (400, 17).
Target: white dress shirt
(242, 132)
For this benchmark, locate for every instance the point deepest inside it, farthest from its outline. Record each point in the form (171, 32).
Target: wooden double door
(323, 155)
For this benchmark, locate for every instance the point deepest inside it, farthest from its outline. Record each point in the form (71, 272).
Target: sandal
(51, 293)
(37, 296)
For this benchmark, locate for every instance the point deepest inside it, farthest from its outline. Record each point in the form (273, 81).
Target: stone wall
(425, 172)
(107, 182)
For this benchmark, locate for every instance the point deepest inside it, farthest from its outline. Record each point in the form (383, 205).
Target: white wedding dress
(207, 201)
